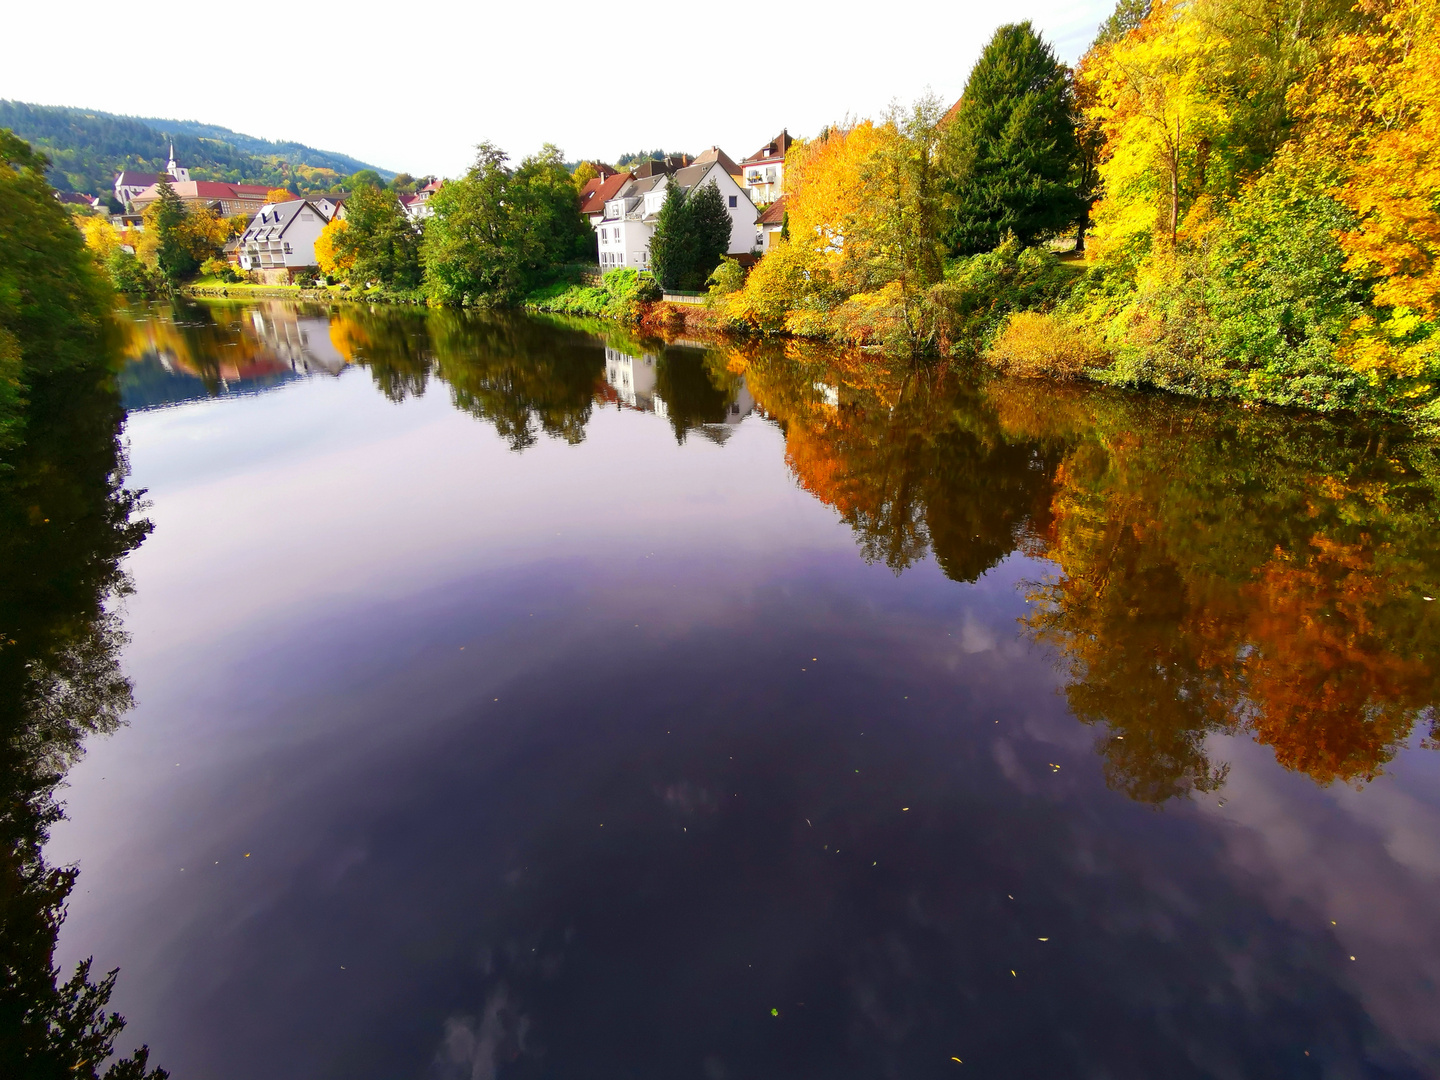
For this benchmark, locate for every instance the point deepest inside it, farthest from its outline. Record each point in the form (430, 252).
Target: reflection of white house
(282, 236)
(303, 342)
(628, 223)
(633, 380)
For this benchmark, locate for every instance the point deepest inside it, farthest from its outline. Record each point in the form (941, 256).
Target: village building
(282, 237)
(598, 191)
(769, 224)
(626, 227)
(225, 199)
(726, 162)
(765, 170)
(332, 206)
(418, 205)
(129, 183)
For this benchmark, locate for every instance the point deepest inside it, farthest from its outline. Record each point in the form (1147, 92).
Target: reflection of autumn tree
(1221, 572)
(913, 461)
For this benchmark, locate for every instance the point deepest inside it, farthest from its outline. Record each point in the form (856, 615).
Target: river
(518, 698)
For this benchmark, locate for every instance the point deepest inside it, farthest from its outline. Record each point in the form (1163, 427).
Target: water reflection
(65, 525)
(1215, 570)
(693, 789)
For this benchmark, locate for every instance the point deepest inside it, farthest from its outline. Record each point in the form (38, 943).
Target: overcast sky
(414, 87)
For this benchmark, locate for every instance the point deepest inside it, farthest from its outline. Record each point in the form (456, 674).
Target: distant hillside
(87, 147)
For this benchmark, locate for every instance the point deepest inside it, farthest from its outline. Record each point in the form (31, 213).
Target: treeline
(87, 148)
(1256, 185)
(491, 236)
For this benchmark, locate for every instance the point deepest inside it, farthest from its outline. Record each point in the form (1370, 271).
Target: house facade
(418, 207)
(769, 224)
(282, 237)
(765, 170)
(627, 225)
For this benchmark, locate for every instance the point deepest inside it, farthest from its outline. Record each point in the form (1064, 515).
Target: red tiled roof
(210, 189)
(774, 150)
(597, 192)
(774, 213)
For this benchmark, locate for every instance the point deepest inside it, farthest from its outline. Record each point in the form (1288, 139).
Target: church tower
(177, 174)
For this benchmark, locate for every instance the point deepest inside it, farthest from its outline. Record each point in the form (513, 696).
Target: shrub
(725, 279)
(1032, 344)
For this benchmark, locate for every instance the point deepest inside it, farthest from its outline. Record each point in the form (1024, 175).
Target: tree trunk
(1174, 197)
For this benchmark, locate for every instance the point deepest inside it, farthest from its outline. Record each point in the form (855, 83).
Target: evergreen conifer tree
(692, 235)
(1010, 150)
(166, 216)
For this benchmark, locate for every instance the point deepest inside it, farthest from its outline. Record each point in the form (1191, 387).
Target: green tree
(1010, 151)
(692, 234)
(53, 298)
(498, 232)
(363, 178)
(380, 239)
(403, 182)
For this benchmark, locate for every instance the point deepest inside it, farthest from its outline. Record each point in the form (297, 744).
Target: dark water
(514, 700)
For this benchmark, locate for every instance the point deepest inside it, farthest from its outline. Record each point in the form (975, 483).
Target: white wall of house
(743, 214)
(766, 181)
(282, 235)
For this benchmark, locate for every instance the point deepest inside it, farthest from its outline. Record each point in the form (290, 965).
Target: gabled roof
(773, 151)
(274, 220)
(131, 178)
(726, 162)
(656, 168)
(432, 187)
(774, 213)
(597, 192)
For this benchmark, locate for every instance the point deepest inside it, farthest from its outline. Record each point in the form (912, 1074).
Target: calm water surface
(516, 700)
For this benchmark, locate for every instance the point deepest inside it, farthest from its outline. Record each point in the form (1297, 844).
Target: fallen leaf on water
(1043, 939)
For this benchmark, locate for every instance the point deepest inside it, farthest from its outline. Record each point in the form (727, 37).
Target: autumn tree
(584, 173)
(1010, 148)
(277, 195)
(330, 255)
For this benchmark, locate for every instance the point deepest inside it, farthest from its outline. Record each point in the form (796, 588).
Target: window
(733, 200)
(288, 251)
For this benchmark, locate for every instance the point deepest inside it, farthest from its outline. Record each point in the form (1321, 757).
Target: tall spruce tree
(692, 235)
(1010, 151)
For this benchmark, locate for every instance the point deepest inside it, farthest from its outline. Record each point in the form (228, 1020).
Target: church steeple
(177, 174)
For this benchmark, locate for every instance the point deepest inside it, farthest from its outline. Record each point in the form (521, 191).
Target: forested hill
(87, 147)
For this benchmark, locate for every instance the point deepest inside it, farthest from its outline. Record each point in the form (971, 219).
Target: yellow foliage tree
(1374, 111)
(1160, 117)
(276, 195)
(100, 236)
(327, 258)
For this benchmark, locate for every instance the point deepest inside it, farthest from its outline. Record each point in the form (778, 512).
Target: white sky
(414, 88)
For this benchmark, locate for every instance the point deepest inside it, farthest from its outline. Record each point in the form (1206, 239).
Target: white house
(628, 223)
(418, 206)
(765, 170)
(282, 236)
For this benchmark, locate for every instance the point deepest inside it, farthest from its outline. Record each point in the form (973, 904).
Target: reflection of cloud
(976, 637)
(1316, 857)
(474, 1050)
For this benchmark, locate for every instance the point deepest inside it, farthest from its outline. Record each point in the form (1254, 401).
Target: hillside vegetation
(87, 147)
